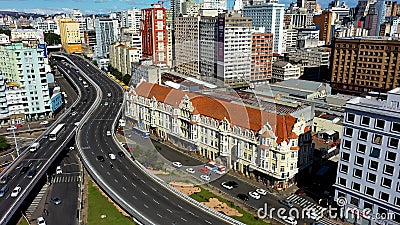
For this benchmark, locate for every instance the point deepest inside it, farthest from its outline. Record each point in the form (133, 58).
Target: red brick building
(261, 57)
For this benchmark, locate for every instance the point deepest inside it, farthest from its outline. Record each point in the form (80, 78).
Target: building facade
(261, 57)
(208, 45)
(325, 21)
(107, 32)
(70, 35)
(122, 56)
(363, 64)
(368, 170)
(246, 139)
(282, 70)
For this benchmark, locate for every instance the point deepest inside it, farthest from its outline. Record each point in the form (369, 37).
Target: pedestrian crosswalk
(66, 179)
(305, 204)
(327, 221)
(33, 206)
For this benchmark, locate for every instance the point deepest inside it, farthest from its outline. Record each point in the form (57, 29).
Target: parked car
(18, 125)
(44, 122)
(11, 128)
(254, 195)
(177, 164)
(31, 173)
(5, 179)
(59, 170)
(286, 202)
(190, 170)
(106, 103)
(41, 221)
(243, 197)
(229, 185)
(55, 200)
(121, 154)
(300, 191)
(205, 177)
(112, 156)
(100, 158)
(203, 170)
(3, 191)
(16, 191)
(261, 191)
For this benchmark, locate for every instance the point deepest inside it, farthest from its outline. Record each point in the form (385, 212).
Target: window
(369, 191)
(391, 156)
(346, 144)
(373, 165)
(386, 182)
(363, 135)
(344, 168)
(350, 117)
(382, 211)
(341, 194)
(388, 169)
(379, 124)
(384, 196)
(354, 201)
(348, 132)
(371, 177)
(397, 201)
(342, 181)
(345, 156)
(377, 139)
(361, 148)
(396, 127)
(368, 205)
(356, 186)
(357, 173)
(375, 152)
(359, 161)
(365, 121)
(393, 142)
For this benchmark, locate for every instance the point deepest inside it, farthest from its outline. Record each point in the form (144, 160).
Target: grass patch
(247, 218)
(99, 205)
(22, 221)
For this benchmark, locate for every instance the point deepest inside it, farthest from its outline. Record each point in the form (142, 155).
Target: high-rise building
(270, 16)
(234, 49)
(325, 21)
(261, 56)
(191, 7)
(70, 35)
(154, 34)
(122, 56)
(208, 43)
(107, 32)
(4, 113)
(368, 169)
(363, 64)
(76, 15)
(131, 19)
(219, 5)
(187, 45)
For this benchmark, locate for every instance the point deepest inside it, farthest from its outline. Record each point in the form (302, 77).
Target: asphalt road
(152, 200)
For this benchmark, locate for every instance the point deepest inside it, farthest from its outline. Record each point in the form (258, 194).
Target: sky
(96, 6)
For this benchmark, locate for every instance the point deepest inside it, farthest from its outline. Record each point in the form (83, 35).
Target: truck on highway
(34, 147)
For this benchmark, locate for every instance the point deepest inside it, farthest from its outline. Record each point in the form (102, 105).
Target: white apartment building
(246, 139)
(282, 70)
(3, 100)
(368, 175)
(47, 25)
(4, 39)
(131, 19)
(234, 38)
(289, 39)
(219, 5)
(270, 16)
(107, 32)
(187, 45)
(312, 56)
(122, 56)
(27, 34)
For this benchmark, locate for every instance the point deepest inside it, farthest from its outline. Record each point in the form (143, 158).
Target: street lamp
(16, 144)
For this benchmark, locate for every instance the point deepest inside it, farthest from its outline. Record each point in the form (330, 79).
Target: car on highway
(45, 136)
(55, 200)
(3, 191)
(108, 133)
(58, 170)
(80, 78)
(105, 103)
(41, 221)
(190, 170)
(289, 219)
(44, 122)
(300, 191)
(261, 191)
(109, 94)
(24, 170)
(100, 158)
(112, 156)
(74, 113)
(205, 177)
(11, 128)
(16, 191)
(177, 164)
(121, 154)
(254, 195)
(286, 202)
(229, 185)
(31, 173)
(203, 170)
(5, 179)
(243, 197)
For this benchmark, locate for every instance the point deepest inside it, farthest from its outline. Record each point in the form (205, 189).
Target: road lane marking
(145, 205)
(183, 219)
(143, 181)
(125, 177)
(154, 189)
(159, 215)
(134, 197)
(115, 180)
(165, 197)
(156, 201)
(208, 222)
(108, 173)
(101, 165)
(169, 210)
(144, 193)
(180, 207)
(134, 184)
(124, 188)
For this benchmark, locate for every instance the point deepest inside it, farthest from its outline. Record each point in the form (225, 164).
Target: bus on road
(59, 128)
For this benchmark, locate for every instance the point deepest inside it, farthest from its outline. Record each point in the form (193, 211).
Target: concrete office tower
(270, 16)
(27, 90)
(363, 64)
(154, 34)
(363, 8)
(208, 39)
(310, 5)
(368, 169)
(131, 19)
(70, 35)
(47, 25)
(187, 45)
(107, 32)
(3, 100)
(27, 35)
(234, 50)
(191, 7)
(289, 39)
(238, 5)
(261, 56)
(219, 5)
(325, 21)
(76, 15)
(122, 56)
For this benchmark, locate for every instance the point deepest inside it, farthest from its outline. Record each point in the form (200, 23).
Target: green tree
(4, 143)
(126, 79)
(6, 32)
(95, 62)
(52, 39)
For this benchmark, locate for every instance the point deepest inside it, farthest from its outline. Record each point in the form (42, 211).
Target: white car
(80, 78)
(254, 195)
(108, 133)
(16, 191)
(205, 177)
(41, 221)
(74, 113)
(44, 122)
(190, 170)
(177, 164)
(109, 94)
(289, 220)
(105, 103)
(112, 156)
(261, 191)
(11, 128)
(58, 170)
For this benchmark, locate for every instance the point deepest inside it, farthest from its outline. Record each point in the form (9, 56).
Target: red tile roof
(240, 115)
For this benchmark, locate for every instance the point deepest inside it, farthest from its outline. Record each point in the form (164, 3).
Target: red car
(18, 125)
(300, 191)
(203, 170)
